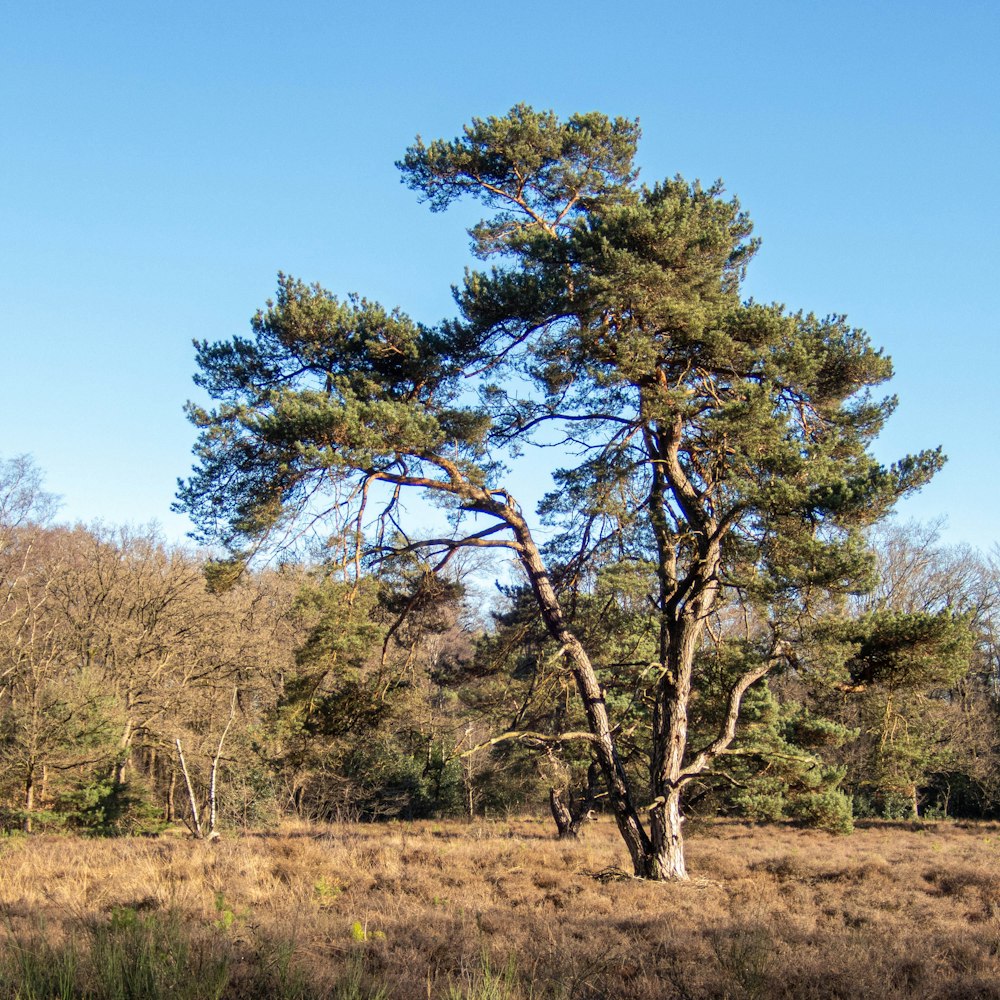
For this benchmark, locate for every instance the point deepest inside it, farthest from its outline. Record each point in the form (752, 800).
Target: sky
(160, 163)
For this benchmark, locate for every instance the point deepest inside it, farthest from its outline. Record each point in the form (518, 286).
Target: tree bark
(195, 821)
(29, 799)
(670, 737)
(603, 746)
(213, 812)
(171, 789)
(467, 779)
(561, 813)
(126, 746)
(571, 811)
(667, 861)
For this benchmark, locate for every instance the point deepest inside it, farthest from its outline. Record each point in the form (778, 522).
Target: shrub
(828, 810)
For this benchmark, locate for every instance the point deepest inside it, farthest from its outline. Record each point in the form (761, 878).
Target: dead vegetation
(504, 910)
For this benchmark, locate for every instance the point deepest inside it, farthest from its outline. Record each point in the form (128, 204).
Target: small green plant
(828, 810)
(326, 890)
(227, 915)
(106, 808)
(360, 933)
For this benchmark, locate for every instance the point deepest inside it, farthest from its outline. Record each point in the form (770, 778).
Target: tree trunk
(126, 753)
(667, 861)
(195, 824)
(603, 745)
(561, 814)
(467, 776)
(571, 813)
(670, 736)
(470, 800)
(29, 798)
(659, 855)
(171, 811)
(213, 812)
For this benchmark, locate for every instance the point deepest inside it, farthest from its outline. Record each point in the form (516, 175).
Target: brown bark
(571, 811)
(29, 798)
(171, 811)
(685, 604)
(561, 813)
(603, 746)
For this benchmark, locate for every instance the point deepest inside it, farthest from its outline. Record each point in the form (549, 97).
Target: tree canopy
(716, 444)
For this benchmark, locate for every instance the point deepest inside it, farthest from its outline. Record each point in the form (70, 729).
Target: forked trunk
(571, 810)
(561, 814)
(657, 855)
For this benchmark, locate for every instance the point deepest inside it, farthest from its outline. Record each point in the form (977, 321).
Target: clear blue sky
(161, 162)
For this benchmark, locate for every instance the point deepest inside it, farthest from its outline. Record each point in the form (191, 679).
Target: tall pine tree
(721, 444)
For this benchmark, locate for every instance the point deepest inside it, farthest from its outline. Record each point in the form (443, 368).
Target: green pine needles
(720, 445)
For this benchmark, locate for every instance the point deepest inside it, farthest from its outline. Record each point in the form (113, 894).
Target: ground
(500, 911)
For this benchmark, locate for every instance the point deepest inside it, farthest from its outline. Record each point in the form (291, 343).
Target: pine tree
(722, 444)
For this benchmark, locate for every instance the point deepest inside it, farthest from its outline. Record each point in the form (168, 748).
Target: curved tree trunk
(603, 745)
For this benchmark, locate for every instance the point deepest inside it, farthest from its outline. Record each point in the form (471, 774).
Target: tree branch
(529, 737)
(728, 729)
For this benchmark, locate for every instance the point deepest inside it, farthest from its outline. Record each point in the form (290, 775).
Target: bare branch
(727, 731)
(530, 737)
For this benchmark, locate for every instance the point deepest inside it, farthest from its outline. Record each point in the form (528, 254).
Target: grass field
(497, 911)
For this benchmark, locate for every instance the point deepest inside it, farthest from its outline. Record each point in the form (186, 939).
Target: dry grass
(438, 909)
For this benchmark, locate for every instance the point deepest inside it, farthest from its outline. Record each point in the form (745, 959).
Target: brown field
(497, 911)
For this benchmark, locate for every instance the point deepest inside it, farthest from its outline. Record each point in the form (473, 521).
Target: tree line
(137, 690)
(314, 696)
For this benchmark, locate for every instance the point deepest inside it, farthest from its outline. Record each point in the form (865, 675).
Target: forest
(400, 697)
